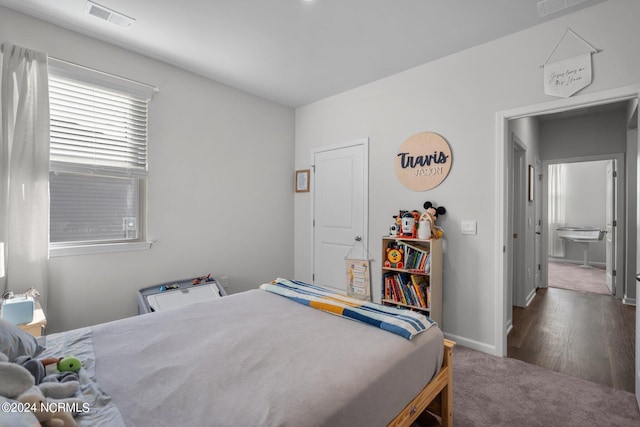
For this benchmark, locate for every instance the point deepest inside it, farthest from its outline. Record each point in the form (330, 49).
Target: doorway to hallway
(627, 260)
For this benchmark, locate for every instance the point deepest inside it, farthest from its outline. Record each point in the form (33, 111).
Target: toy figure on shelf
(395, 253)
(396, 228)
(408, 225)
(429, 218)
(424, 226)
(397, 225)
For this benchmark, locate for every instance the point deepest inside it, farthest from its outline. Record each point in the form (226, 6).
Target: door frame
(364, 142)
(503, 146)
(539, 281)
(517, 218)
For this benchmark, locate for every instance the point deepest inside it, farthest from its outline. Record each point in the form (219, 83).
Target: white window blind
(93, 208)
(95, 129)
(98, 141)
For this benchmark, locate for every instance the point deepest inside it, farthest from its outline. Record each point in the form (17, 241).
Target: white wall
(595, 134)
(220, 184)
(527, 131)
(458, 97)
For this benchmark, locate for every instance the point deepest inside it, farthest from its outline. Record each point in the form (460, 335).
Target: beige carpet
(490, 391)
(573, 277)
(503, 392)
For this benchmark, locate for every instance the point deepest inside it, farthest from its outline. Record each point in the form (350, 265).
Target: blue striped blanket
(405, 323)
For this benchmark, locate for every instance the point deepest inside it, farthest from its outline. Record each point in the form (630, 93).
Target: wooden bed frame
(437, 396)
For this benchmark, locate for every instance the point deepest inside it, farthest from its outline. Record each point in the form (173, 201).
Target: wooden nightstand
(36, 327)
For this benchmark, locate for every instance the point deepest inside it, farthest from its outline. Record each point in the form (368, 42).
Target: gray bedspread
(78, 342)
(258, 359)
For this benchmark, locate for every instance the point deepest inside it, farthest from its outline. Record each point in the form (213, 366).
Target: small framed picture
(302, 181)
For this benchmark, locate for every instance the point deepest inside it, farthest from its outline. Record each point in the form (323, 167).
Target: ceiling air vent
(109, 15)
(548, 7)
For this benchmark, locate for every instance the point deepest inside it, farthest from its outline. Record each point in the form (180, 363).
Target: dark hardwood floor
(585, 335)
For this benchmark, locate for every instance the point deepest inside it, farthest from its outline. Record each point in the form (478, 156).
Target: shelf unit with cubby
(412, 276)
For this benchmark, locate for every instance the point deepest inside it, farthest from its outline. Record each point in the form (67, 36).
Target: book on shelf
(421, 285)
(427, 267)
(416, 257)
(406, 288)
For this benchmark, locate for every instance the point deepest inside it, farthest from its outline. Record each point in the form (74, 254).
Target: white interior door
(340, 209)
(610, 220)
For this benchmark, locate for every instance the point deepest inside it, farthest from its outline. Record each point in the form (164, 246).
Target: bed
(252, 359)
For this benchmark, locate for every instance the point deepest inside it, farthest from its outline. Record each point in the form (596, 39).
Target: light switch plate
(469, 227)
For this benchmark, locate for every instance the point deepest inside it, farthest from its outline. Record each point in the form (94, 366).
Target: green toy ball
(69, 364)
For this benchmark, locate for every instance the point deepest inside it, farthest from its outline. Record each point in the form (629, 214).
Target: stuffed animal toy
(432, 214)
(15, 378)
(69, 364)
(46, 411)
(57, 385)
(37, 367)
(19, 383)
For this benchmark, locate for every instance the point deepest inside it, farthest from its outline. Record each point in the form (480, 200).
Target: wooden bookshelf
(412, 276)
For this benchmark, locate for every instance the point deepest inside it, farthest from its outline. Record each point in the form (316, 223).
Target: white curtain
(24, 170)
(557, 215)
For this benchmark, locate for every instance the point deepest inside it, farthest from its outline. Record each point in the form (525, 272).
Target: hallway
(585, 335)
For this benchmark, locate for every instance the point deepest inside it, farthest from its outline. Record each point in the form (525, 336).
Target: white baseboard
(472, 344)
(629, 301)
(530, 297)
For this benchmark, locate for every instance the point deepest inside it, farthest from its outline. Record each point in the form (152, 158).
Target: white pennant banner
(566, 77)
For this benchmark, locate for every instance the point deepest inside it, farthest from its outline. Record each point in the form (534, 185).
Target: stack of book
(407, 289)
(417, 258)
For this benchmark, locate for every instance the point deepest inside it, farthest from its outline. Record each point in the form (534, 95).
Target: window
(98, 164)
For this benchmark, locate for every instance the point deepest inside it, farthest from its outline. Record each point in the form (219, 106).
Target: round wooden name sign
(423, 161)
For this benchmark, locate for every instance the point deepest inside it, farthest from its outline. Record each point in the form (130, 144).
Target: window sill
(59, 251)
